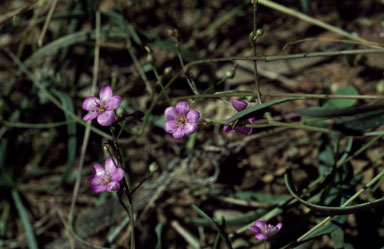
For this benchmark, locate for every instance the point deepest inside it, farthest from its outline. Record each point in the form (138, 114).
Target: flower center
(181, 120)
(101, 107)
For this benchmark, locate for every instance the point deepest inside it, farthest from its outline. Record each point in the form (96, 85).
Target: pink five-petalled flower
(181, 120)
(107, 178)
(102, 108)
(263, 230)
(240, 105)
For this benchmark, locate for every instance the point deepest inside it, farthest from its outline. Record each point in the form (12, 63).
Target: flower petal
(178, 134)
(98, 188)
(244, 130)
(279, 226)
(110, 166)
(239, 105)
(90, 116)
(91, 104)
(260, 224)
(170, 126)
(118, 174)
(182, 107)
(98, 170)
(189, 128)
(261, 236)
(228, 129)
(105, 93)
(97, 180)
(193, 116)
(113, 186)
(106, 118)
(114, 102)
(171, 113)
(255, 229)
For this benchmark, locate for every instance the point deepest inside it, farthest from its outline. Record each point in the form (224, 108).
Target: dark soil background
(226, 175)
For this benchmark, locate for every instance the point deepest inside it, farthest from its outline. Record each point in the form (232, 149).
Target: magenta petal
(110, 166)
(239, 105)
(106, 118)
(182, 107)
(171, 113)
(118, 174)
(254, 229)
(105, 93)
(193, 116)
(228, 129)
(244, 130)
(96, 181)
(170, 126)
(97, 170)
(178, 134)
(114, 103)
(279, 226)
(90, 116)
(189, 128)
(98, 188)
(113, 186)
(260, 224)
(91, 104)
(261, 236)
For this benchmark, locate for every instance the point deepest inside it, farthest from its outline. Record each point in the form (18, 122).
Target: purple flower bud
(240, 105)
(102, 108)
(107, 178)
(181, 120)
(263, 230)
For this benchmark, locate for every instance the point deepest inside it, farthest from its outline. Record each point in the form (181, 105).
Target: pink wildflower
(106, 179)
(102, 108)
(240, 105)
(181, 120)
(263, 230)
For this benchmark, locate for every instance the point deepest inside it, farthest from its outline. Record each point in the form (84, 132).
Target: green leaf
(341, 103)
(361, 123)
(338, 238)
(305, 5)
(332, 226)
(31, 240)
(254, 109)
(158, 230)
(265, 198)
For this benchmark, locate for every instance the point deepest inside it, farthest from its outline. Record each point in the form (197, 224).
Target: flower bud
(167, 70)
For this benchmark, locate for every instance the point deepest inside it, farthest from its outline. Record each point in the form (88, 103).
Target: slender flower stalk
(180, 120)
(102, 108)
(263, 230)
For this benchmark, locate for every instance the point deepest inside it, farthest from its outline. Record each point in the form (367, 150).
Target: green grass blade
(71, 133)
(31, 240)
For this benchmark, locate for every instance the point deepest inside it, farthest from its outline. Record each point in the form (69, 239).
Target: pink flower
(181, 120)
(106, 179)
(102, 108)
(240, 105)
(263, 230)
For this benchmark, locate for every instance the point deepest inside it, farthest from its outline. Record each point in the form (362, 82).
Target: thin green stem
(138, 66)
(298, 95)
(253, 44)
(287, 57)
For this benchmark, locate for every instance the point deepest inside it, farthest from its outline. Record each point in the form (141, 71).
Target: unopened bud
(230, 74)
(149, 59)
(259, 32)
(167, 70)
